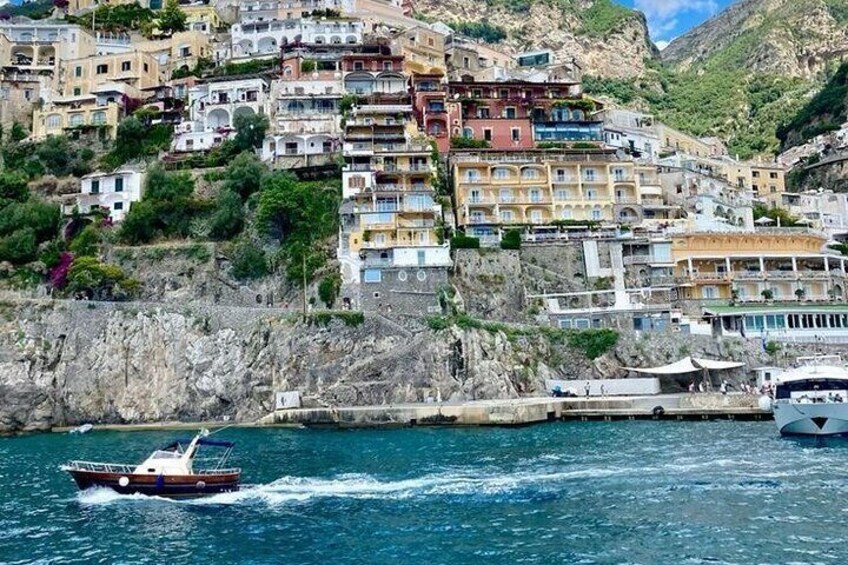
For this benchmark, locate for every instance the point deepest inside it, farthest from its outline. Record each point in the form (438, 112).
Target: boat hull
(807, 419)
(168, 486)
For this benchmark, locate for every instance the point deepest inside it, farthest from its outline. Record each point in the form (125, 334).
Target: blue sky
(669, 18)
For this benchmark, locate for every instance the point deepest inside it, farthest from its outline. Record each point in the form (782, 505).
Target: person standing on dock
(586, 387)
(603, 390)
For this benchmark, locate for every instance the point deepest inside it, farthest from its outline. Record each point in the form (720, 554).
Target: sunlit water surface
(636, 492)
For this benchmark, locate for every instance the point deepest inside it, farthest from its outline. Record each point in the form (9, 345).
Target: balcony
(637, 260)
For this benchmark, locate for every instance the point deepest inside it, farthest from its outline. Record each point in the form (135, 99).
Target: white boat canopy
(688, 365)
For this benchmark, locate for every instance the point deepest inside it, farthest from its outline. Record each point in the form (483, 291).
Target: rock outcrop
(559, 25)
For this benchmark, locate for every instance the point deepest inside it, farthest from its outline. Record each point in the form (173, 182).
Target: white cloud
(664, 15)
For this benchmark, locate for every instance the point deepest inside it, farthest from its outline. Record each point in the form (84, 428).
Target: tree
(250, 130)
(41, 217)
(19, 132)
(228, 218)
(244, 174)
(248, 261)
(328, 289)
(13, 188)
(171, 18)
(139, 225)
(511, 240)
(19, 247)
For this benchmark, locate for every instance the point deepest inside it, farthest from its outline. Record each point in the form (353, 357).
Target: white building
(632, 131)
(825, 210)
(114, 192)
(251, 39)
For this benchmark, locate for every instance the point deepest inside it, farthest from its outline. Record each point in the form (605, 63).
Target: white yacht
(812, 400)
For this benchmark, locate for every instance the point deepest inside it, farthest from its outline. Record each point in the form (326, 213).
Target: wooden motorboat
(169, 472)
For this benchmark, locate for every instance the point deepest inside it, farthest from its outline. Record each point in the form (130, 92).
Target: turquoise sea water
(593, 492)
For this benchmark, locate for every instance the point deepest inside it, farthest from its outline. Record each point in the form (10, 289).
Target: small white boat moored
(812, 400)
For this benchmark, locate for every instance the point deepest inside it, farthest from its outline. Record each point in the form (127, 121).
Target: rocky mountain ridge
(790, 38)
(605, 38)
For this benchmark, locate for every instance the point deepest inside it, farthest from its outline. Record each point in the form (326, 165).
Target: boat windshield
(165, 455)
(795, 389)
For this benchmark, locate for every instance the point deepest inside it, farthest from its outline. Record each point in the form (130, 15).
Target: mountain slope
(791, 38)
(605, 38)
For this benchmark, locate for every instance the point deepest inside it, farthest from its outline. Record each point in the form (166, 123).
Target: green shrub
(593, 343)
(19, 247)
(87, 242)
(100, 281)
(351, 319)
(461, 241)
(437, 323)
(469, 143)
(481, 30)
(511, 240)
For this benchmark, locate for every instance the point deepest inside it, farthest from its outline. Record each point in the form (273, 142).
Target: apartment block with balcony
(430, 101)
(86, 116)
(265, 10)
(423, 50)
(213, 105)
(305, 114)
(40, 46)
(201, 16)
(266, 38)
(768, 264)
(389, 245)
(522, 115)
(540, 192)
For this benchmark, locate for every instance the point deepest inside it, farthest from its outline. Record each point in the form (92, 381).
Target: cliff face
(607, 40)
(795, 38)
(65, 363)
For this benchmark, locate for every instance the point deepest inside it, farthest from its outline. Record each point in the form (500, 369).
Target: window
(102, 69)
(373, 276)
(358, 66)
(755, 174)
(536, 216)
(76, 120)
(77, 91)
(126, 66)
(474, 197)
(145, 67)
(118, 206)
(95, 187)
(535, 195)
(119, 184)
(709, 292)
(472, 175)
(591, 194)
(772, 188)
(98, 118)
(504, 93)
(477, 93)
(78, 72)
(483, 113)
(529, 174)
(561, 194)
(596, 214)
(185, 52)
(501, 174)
(506, 195)
(54, 121)
(567, 214)
(422, 260)
(772, 175)
(27, 94)
(510, 113)
(487, 134)
(589, 175)
(506, 215)
(356, 182)
(516, 134)
(387, 65)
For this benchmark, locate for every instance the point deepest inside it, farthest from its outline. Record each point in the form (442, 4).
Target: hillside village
(277, 126)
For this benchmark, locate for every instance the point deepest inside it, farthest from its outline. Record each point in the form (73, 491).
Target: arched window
(76, 120)
(98, 118)
(467, 133)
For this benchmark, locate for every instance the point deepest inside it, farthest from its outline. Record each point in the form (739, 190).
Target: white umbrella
(764, 221)
(804, 222)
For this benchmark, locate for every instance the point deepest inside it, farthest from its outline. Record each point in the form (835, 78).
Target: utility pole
(303, 265)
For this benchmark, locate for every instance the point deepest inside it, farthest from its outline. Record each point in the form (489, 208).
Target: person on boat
(586, 387)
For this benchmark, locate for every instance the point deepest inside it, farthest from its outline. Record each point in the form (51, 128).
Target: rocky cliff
(795, 38)
(64, 362)
(605, 38)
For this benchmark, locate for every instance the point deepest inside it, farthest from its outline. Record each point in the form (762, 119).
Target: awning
(687, 365)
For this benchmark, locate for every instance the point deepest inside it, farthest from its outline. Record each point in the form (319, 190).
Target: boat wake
(361, 486)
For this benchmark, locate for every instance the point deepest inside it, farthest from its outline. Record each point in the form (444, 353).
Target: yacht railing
(129, 469)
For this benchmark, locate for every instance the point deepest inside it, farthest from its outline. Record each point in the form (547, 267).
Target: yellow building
(84, 115)
(502, 189)
(769, 263)
(768, 181)
(182, 49)
(672, 140)
(135, 69)
(423, 50)
(201, 18)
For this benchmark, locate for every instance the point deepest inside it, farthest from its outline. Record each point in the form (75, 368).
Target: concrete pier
(525, 411)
